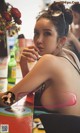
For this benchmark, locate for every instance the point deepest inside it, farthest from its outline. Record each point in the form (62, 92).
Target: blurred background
(29, 10)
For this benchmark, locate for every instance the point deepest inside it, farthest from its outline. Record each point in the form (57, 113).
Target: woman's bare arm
(24, 66)
(39, 74)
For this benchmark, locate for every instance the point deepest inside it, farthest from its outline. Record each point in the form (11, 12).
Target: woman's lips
(40, 49)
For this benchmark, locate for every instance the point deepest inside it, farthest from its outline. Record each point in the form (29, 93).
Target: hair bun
(68, 16)
(60, 6)
(57, 6)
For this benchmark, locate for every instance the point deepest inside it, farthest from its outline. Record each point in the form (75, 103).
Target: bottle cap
(21, 36)
(11, 47)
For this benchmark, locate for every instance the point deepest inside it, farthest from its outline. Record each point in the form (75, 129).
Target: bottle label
(13, 72)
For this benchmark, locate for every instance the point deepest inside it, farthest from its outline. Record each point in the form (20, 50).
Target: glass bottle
(12, 68)
(21, 42)
(16, 49)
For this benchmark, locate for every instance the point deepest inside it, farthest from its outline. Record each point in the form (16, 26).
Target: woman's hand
(29, 54)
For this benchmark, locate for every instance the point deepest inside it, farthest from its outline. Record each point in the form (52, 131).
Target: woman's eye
(36, 33)
(47, 33)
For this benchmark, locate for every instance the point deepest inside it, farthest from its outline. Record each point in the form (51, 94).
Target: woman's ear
(62, 41)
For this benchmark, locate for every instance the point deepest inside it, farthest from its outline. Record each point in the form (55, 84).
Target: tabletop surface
(7, 115)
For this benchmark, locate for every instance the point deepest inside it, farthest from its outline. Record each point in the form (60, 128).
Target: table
(19, 116)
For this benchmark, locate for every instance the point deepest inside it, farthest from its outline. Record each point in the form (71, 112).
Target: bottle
(10, 49)
(21, 41)
(16, 49)
(12, 68)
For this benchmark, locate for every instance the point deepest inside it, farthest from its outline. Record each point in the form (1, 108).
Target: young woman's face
(45, 37)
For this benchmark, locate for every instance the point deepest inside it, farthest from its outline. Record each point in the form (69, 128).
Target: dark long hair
(59, 16)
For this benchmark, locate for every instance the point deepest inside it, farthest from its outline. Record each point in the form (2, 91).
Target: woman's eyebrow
(44, 29)
(47, 29)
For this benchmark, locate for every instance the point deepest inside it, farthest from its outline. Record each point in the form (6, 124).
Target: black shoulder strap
(77, 68)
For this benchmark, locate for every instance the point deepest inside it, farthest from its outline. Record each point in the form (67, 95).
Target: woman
(56, 75)
(50, 34)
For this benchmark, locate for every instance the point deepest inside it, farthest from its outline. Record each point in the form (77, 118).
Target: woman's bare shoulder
(51, 63)
(49, 58)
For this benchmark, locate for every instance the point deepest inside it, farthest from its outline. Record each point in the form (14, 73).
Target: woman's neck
(60, 53)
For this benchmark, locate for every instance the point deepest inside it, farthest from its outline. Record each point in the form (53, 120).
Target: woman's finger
(30, 52)
(29, 59)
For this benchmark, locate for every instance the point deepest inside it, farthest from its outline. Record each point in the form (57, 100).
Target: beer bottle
(12, 68)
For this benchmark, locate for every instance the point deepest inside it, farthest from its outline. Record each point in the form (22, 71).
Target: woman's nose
(40, 39)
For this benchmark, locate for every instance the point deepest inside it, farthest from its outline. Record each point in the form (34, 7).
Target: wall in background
(29, 10)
